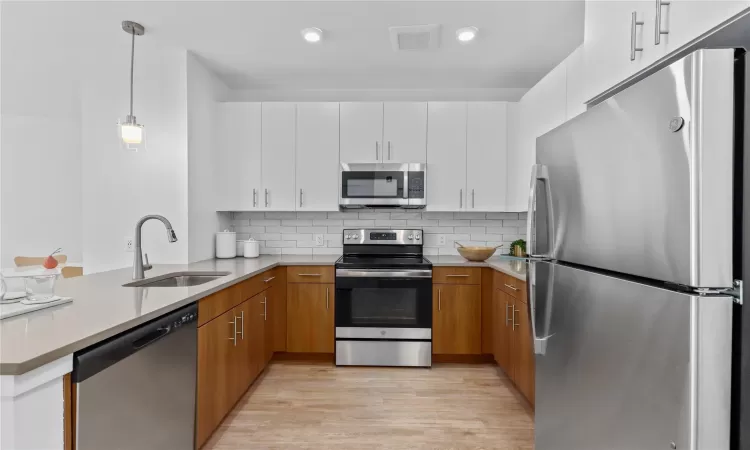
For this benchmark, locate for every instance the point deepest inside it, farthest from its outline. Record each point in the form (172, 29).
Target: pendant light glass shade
(130, 133)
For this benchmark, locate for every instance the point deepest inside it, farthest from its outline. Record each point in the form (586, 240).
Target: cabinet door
(456, 319)
(446, 156)
(217, 374)
(268, 310)
(361, 132)
(405, 132)
(237, 170)
(310, 326)
(486, 153)
(685, 20)
(277, 308)
(317, 157)
(523, 351)
(502, 306)
(245, 365)
(278, 143)
(607, 41)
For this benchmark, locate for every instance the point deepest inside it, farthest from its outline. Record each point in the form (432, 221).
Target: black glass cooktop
(380, 262)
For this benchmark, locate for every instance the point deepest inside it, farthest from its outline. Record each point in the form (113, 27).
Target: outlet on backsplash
(320, 240)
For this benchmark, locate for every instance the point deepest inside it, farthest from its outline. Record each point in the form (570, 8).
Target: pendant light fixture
(131, 133)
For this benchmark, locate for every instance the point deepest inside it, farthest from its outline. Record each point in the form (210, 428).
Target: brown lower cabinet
(309, 324)
(456, 319)
(512, 345)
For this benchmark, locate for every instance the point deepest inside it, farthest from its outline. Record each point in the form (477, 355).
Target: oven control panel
(383, 237)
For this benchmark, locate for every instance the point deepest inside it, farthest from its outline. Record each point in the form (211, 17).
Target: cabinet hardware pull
(327, 298)
(511, 287)
(234, 331)
(507, 319)
(659, 31)
(461, 198)
(266, 198)
(440, 299)
(634, 22)
(300, 198)
(268, 279)
(515, 325)
(465, 275)
(242, 330)
(389, 150)
(255, 198)
(308, 274)
(472, 198)
(265, 308)
(377, 156)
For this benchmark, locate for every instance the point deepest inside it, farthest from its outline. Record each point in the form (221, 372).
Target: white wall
(204, 89)
(40, 143)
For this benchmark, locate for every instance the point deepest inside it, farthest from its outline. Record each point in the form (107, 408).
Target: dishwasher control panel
(184, 319)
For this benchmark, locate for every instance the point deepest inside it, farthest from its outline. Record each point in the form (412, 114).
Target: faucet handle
(146, 265)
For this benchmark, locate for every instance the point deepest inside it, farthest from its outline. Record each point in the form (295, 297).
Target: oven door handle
(373, 273)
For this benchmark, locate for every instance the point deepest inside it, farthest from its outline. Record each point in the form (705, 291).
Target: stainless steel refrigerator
(631, 285)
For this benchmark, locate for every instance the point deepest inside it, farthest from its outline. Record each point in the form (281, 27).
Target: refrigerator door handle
(539, 172)
(541, 333)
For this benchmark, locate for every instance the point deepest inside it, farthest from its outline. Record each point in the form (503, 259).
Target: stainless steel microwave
(382, 185)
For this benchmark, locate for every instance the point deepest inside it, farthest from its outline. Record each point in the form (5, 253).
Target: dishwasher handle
(92, 360)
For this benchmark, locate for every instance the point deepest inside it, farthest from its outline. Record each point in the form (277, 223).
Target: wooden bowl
(476, 254)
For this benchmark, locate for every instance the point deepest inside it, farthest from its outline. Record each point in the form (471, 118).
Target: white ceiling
(257, 44)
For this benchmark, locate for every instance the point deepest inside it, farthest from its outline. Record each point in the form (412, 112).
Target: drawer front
(218, 303)
(310, 274)
(511, 286)
(255, 285)
(457, 275)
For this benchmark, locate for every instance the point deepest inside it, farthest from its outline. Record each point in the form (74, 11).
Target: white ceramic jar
(226, 244)
(252, 248)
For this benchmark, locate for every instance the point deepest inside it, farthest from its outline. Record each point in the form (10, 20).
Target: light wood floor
(318, 406)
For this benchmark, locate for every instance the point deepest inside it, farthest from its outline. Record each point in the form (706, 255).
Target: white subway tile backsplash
(328, 222)
(359, 223)
(297, 222)
(294, 232)
(320, 229)
(281, 215)
(265, 222)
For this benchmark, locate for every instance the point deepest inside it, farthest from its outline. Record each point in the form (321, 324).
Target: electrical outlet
(128, 244)
(320, 240)
(441, 240)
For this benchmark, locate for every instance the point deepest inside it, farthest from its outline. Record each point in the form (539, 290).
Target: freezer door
(623, 366)
(642, 183)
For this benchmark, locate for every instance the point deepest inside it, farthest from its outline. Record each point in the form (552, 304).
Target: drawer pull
(269, 279)
(457, 276)
(515, 325)
(308, 274)
(511, 287)
(507, 319)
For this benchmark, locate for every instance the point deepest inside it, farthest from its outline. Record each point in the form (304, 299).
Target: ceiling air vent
(415, 37)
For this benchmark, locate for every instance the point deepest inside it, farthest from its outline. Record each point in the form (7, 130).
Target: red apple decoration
(50, 262)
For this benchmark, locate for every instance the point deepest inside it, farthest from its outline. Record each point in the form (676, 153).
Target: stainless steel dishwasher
(137, 390)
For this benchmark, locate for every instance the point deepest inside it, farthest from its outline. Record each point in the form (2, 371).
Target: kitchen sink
(178, 279)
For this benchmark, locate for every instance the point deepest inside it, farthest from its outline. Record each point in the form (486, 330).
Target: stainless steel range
(383, 300)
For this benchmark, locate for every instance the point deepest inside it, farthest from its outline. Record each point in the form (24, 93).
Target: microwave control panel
(416, 184)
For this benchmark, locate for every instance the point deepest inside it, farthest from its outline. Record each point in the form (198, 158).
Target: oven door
(374, 184)
(383, 304)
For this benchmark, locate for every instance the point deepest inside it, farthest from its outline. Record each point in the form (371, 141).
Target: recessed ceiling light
(312, 34)
(466, 34)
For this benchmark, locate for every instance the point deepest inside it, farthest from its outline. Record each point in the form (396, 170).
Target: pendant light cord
(132, 62)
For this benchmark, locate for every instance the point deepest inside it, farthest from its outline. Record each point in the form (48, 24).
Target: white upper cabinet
(685, 20)
(317, 156)
(238, 156)
(611, 40)
(486, 152)
(405, 132)
(361, 131)
(278, 144)
(446, 156)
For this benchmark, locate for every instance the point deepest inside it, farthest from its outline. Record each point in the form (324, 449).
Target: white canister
(226, 244)
(252, 248)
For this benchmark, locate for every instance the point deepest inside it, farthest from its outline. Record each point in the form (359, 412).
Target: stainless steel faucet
(138, 266)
